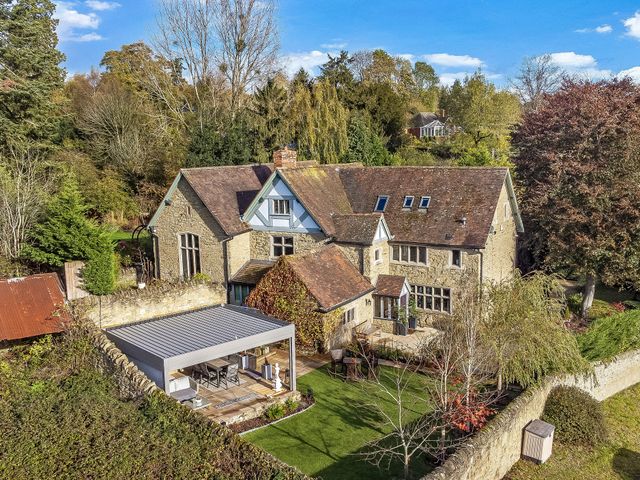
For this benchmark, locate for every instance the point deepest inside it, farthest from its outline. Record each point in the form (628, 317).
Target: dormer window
(408, 201)
(281, 207)
(381, 203)
(424, 203)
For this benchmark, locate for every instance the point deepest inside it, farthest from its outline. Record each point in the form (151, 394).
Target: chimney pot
(285, 157)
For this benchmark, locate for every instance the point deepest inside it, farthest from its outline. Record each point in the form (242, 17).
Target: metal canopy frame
(149, 342)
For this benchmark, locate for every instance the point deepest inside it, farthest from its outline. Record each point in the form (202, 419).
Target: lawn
(325, 440)
(618, 459)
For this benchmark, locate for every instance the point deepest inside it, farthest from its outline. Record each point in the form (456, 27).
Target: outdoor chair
(206, 375)
(183, 388)
(336, 360)
(230, 374)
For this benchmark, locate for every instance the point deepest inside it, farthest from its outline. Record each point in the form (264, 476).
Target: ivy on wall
(281, 294)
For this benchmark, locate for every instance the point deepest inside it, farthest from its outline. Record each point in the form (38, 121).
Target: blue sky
(594, 38)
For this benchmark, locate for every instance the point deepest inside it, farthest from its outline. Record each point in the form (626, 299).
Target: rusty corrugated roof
(31, 306)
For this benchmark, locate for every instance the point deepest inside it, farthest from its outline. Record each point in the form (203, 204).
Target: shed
(538, 441)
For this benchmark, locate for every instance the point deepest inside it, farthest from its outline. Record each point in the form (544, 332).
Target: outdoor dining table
(219, 365)
(353, 365)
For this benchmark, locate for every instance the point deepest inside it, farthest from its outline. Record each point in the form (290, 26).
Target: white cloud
(70, 20)
(448, 60)
(632, 25)
(572, 60)
(447, 79)
(633, 73)
(407, 56)
(101, 6)
(310, 61)
(334, 46)
(605, 28)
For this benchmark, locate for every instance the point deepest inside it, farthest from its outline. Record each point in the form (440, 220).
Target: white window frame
(282, 243)
(377, 256)
(388, 313)
(405, 254)
(280, 207)
(453, 265)
(423, 199)
(408, 201)
(348, 316)
(189, 251)
(386, 202)
(423, 295)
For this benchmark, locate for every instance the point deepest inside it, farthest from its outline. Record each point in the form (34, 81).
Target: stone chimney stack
(285, 157)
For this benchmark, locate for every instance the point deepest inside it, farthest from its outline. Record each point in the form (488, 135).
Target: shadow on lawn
(626, 463)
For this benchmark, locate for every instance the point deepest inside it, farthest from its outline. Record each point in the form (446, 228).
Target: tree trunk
(406, 466)
(588, 294)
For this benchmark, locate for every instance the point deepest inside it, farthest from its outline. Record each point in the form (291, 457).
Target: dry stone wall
(491, 453)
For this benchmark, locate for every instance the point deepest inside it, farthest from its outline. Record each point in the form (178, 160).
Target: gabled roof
(390, 285)
(31, 306)
(421, 119)
(471, 193)
(329, 276)
(359, 228)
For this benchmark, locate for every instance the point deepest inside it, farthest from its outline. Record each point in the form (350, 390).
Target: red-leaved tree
(578, 162)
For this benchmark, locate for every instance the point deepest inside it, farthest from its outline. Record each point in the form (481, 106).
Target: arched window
(189, 255)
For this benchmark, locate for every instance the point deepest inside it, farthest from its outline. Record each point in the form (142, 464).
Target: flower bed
(275, 413)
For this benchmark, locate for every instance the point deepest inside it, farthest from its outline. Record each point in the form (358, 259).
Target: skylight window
(381, 204)
(424, 202)
(408, 201)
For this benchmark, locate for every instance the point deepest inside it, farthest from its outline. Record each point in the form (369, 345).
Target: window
(424, 202)
(239, 294)
(384, 307)
(409, 254)
(280, 207)
(349, 316)
(381, 203)
(189, 255)
(408, 202)
(282, 246)
(188, 210)
(436, 299)
(377, 255)
(456, 258)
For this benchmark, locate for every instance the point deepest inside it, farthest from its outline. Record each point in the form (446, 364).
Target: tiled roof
(456, 193)
(252, 271)
(421, 119)
(330, 277)
(389, 285)
(357, 228)
(31, 306)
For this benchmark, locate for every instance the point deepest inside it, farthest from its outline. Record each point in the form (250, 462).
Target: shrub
(275, 411)
(201, 278)
(291, 405)
(577, 416)
(599, 308)
(611, 336)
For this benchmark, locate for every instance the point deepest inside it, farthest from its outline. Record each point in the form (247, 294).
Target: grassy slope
(323, 440)
(618, 459)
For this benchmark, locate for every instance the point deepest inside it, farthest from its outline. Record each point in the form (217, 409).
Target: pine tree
(269, 107)
(29, 71)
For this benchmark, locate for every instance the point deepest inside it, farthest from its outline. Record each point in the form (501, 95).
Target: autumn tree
(537, 76)
(578, 163)
(30, 73)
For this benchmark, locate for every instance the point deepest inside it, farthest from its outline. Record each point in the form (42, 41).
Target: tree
(249, 44)
(578, 163)
(29, 71)
(524, 327)
(387, 109)
(26, 181)
(538, 76)
(479, 109)
(337, 73)
(426, 81)
(269, 108)
(364, 145)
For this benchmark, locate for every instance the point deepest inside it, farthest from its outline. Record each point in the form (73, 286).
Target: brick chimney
(285, 157)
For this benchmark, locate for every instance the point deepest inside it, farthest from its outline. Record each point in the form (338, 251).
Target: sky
(596, 39)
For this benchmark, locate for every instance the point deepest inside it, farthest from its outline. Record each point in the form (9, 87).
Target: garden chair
(230, 374)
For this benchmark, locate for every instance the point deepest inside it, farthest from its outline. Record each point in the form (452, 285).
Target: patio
(227, 353)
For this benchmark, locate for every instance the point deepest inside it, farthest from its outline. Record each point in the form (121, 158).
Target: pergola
(162, 345)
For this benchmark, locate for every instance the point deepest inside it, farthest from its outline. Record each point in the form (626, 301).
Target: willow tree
(524, 328)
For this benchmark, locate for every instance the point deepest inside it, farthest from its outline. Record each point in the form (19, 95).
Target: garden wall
(491, 453)
(157, 300)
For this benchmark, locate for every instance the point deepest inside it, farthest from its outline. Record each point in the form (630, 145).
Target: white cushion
(176, 384)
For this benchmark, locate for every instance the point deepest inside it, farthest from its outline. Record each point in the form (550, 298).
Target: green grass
(609, 336)
(118, 235)
(325, 440)
(617, 459)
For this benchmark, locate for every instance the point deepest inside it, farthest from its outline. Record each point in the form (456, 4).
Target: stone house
(416, 235)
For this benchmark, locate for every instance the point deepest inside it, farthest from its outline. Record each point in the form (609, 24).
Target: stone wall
(187, 214)
(343, 332)
(491, 453)
(302, 242)
(501, 250)
(238, 252)
(157, 300)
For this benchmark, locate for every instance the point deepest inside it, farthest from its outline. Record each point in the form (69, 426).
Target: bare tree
(249, 44)
(538, 76)
(26, 181)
